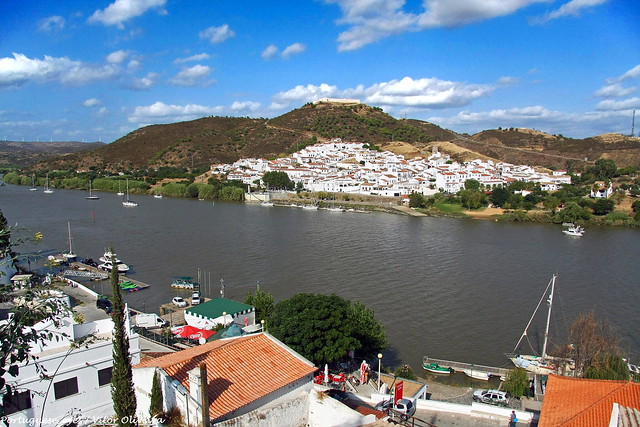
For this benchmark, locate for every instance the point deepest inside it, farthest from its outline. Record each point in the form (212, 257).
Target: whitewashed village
(339, 166)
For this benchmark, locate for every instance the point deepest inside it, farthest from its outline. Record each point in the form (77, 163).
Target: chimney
(198, 392)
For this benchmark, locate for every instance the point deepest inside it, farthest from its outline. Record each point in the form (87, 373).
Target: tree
(573, 213)
(473, 199)
(367, 330)
(416, 200)
(517, 382)
(17, 334)
(591, 341)
(605, 169)
(122, 392)
(323, 327)
(499, 196)
(603, 206)
(636, 206)
(551, 203)
(262, 301)
(277, 180)
(608, 367)
(155, 407)
(472, 184)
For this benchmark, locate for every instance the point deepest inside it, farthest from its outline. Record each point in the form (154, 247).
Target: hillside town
(352, 167)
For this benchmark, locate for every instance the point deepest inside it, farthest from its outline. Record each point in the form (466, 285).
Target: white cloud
(217, 35)
(615, 91)
(193, 76)
(269, 52)
(293, 49)
(161, 112)
(426, 93)
(20, 70)
(144, 83)
(625, 104)
(123, 10)
(633, 73)
(572, 7)
(372, 20)
(508, 80)
(245, 106)
(193, 58)
(118, 57)
(91, 102)
(51, 24)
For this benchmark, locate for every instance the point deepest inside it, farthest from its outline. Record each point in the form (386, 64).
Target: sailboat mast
(546, 331)
(69, 228)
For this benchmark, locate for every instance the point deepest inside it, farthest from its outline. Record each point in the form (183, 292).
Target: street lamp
(379, 365)
(262, 323)
(224, 318)
(178, 387)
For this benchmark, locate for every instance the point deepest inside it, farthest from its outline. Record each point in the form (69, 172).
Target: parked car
(104, 304)
(179, 302)
(195, 298)
(492, 397)
(405, 407)
(337, 394)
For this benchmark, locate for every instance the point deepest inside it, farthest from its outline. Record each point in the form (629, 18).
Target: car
(179, 302)
(195, 298)
(104, 304)
(339, 395)
(404, 407)
(492, 397)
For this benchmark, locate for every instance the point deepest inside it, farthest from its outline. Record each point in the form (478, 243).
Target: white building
(80, 375)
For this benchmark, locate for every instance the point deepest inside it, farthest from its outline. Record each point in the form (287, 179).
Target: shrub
(517, 382)
(405, 371)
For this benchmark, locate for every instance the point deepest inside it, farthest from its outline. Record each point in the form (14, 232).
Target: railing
(169, 341)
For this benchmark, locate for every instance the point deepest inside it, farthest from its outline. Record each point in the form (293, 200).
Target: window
(66, 388)
(16, 402)
(104, 376)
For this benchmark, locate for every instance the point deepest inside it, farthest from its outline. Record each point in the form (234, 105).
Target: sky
(77, 70)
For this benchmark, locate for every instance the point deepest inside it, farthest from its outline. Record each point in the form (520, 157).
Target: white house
(601, 190)
(79, 388)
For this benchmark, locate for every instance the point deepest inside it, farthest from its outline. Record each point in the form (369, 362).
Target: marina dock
(79, 269)
(478, 372)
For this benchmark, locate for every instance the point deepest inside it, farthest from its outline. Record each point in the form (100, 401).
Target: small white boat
(91, 196)
(310, 207)
(129, 203)
(266, 204)
(47, 190)
(184, 282)
(70, 255)
(33, 184)
(157, 196)
(120, 192)
(575, 230)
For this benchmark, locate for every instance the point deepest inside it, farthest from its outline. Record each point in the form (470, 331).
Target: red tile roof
(582, 402)
(239, 370)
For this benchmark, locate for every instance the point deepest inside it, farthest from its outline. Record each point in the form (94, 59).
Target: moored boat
(108, 260)
(184, 282)
(436, 369)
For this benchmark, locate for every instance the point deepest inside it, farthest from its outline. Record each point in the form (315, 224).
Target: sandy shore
(486, 213)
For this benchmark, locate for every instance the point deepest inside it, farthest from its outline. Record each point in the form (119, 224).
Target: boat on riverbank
(184, 282)
(436, 369)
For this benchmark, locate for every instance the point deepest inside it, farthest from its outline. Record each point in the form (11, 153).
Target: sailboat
(543, 364)
(33, 184)
(91, 196)
(120, 193)
(46, 185)
(128, 203)
(70, 255)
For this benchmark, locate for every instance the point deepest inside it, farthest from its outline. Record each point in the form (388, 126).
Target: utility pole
(633, 123)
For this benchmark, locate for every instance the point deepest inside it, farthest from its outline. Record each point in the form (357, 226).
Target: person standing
(513, 420)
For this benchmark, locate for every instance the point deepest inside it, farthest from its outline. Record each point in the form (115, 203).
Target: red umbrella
(191, 332)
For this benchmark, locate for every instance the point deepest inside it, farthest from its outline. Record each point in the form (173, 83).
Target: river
(457, 289)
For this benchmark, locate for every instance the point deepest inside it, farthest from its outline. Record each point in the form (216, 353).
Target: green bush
(406, 372)
(517, 382)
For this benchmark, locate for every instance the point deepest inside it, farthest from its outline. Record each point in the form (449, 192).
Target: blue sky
(96, 70)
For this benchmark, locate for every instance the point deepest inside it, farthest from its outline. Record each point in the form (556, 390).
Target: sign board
(397, 394)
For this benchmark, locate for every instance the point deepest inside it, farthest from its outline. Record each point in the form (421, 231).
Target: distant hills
(201, 142)
(20, 154)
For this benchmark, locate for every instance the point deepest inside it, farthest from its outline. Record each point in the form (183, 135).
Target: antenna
(633, 123)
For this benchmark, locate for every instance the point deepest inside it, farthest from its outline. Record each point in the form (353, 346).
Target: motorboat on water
(574, 230)
(108, 260)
